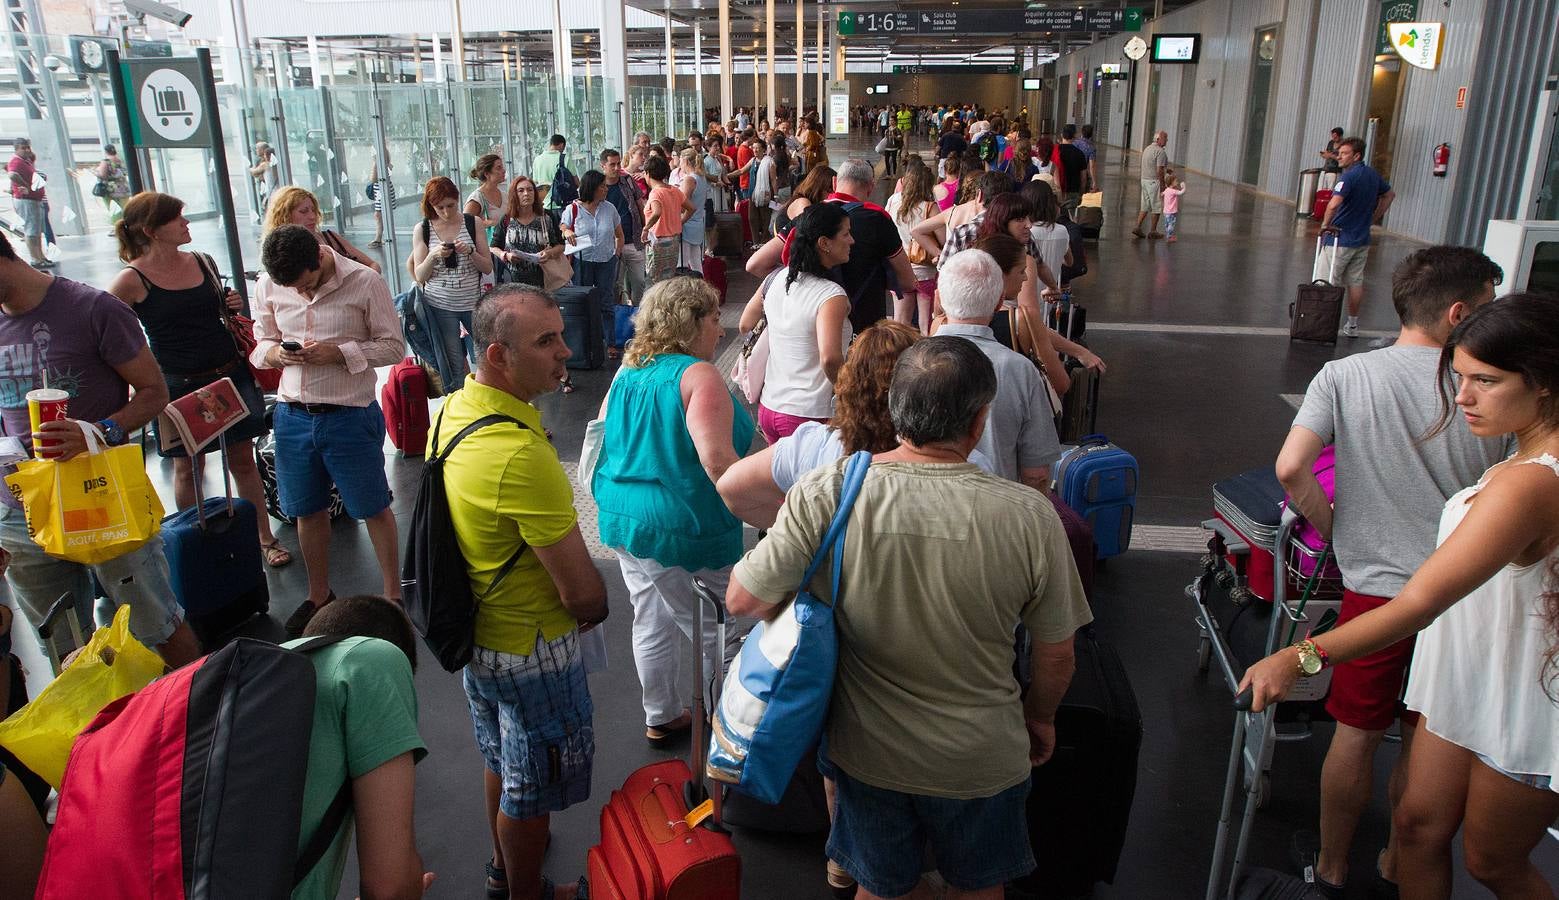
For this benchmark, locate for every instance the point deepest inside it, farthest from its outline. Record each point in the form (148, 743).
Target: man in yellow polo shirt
(512, 508)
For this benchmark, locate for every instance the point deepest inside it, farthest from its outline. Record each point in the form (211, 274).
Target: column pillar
(768, 37)
(671, 79)
(801, 62)
(614, 72)
(562, 68)
(822, 77)
(457, 41)
(698, 72)
(438, 58)
(727, 66)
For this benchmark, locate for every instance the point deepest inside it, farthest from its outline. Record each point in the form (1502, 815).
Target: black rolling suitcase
(213, 552)
(1081, 799)
(1080, 406)
(727, 239)
(583, 330)
(1316, 314)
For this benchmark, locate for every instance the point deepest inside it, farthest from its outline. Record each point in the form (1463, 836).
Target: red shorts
(1367, 692)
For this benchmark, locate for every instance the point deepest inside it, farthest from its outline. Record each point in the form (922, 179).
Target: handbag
(776, 697)
(241, 327)
(557, 272)
(1027, 343)
(917, 254)
(590, 448)
(94, 507)
(753, 362)
(101, 189)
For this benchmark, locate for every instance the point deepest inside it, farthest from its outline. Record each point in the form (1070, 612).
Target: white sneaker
(1350, 329)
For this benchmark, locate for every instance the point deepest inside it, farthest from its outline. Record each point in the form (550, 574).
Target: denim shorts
(532, 716)
(1541, 782)
(344, 448)
(879, 837)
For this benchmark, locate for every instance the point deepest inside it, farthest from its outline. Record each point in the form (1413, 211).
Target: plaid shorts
(532, 716)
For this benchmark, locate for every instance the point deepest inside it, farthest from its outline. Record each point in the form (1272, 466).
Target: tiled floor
(1199, 382)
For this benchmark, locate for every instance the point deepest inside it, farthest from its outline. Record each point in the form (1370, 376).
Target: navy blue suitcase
(1099, 481)
(583, 329)
(214, 562)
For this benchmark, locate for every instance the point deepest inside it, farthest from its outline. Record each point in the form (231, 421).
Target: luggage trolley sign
(168, 105)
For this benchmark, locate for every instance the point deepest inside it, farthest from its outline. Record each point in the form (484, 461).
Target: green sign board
(888, 22)
(954, 70)
(1393, 11)
(1134, 18)
(167, 106)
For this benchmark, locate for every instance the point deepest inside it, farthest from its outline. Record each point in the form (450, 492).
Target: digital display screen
(1176, 48)
(1031, 84)
(882, 89)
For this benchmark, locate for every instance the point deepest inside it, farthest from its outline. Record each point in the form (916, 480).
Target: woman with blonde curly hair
(296, 206)
(672, 428)
(755, 487)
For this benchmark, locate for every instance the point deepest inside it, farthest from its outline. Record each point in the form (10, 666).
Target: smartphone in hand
(291, 346)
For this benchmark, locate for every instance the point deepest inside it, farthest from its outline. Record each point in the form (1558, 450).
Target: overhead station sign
(954, 69)
(988, 21)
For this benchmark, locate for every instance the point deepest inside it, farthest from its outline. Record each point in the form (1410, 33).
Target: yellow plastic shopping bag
(92, 508)
(113, 664)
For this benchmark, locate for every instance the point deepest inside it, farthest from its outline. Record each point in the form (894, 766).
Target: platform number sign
(169, 107)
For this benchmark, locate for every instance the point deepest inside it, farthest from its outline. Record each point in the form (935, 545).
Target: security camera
(54, 63)
(143, 8)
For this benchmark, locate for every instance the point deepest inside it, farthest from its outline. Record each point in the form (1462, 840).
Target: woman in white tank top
(1485, 672)
(808, 324)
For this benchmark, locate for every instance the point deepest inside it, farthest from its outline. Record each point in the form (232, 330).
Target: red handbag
(241, 327)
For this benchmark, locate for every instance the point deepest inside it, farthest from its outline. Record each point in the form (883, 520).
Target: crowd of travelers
(892, 329)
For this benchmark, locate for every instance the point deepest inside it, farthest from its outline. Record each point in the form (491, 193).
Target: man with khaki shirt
(941, 562)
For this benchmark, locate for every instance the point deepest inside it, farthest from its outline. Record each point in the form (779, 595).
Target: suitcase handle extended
(1320, 244)
(698, 787)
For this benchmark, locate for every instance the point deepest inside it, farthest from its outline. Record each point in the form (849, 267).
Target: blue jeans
(601, 275)
(459, 354)
(344, 448)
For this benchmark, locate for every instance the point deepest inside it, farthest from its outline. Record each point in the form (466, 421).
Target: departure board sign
(987, 21)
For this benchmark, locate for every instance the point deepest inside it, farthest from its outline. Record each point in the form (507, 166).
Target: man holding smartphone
(327, 321)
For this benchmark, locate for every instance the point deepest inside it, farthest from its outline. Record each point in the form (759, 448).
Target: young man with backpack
(512, 510)
(559, 187)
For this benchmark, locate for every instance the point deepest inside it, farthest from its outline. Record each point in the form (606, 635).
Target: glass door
(1262, 60)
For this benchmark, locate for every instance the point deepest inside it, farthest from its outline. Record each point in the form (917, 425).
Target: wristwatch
(1312, 658)
(112, 433)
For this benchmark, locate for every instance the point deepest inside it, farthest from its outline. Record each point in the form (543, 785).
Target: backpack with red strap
(192, 787)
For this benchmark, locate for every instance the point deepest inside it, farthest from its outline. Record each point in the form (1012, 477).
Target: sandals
(548, 888)
(275, 554)
(661, 735)
(568, 385)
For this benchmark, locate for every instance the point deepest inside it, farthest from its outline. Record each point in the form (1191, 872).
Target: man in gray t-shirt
(1384, 515)
(1155, 159)
(1020, 432)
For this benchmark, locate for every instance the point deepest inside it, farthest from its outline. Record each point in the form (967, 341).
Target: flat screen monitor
(882, 89)
(1176, 48)
(1031, 84)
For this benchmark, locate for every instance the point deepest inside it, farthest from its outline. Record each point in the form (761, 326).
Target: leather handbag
(1026, 341)
(775, 698)
(241, 327)
(559, 271)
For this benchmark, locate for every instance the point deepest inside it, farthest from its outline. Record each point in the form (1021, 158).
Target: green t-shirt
(365, 714)
(543, 169)
(941, 562)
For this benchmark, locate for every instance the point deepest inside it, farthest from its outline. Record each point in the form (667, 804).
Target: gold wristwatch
(1312, 659)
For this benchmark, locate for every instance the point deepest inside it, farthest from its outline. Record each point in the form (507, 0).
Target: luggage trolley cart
(1256, 734)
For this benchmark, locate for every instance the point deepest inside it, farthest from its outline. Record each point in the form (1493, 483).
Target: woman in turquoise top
(672, 428)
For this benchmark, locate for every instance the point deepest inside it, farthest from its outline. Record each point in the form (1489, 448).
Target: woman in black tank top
(179, 301)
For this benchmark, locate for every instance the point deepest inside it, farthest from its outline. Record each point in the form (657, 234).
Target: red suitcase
(714, 273)
(1322, 198)
(652, 847)
(404, 400)
(744, 209)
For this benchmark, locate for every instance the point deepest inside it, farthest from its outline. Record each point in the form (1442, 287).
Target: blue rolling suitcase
(213, 552)
(583, 329)
(1099, 481)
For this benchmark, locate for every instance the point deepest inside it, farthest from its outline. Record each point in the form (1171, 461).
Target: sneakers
(44, 264)
(1350, 328)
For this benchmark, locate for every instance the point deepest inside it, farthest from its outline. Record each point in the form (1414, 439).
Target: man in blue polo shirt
(1359, 200)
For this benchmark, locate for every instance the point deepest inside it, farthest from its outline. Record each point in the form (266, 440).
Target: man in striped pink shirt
(326, 322)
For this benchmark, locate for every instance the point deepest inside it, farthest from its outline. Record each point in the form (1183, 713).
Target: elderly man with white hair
(1020, 434)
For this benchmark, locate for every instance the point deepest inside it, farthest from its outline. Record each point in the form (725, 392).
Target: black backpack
(565, 186)
(986, 146)
(435, 587)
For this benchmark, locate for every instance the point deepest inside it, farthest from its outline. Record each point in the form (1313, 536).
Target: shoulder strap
(145, 282)
(833, 538)
(471, 228)
(427, 232)
(454, 442)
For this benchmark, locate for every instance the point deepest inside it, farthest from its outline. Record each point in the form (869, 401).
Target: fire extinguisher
(1442, 159)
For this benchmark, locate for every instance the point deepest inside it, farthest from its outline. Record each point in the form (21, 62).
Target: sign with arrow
(1418, 42)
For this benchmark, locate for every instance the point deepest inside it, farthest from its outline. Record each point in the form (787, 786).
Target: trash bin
(1304, 199)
